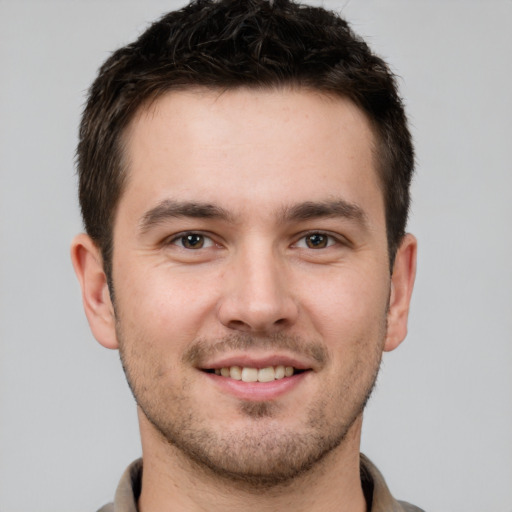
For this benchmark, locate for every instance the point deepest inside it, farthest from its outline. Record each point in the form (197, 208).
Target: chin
(260, 451)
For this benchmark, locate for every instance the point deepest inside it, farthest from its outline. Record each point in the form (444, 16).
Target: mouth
(254, 374)
(257, 378)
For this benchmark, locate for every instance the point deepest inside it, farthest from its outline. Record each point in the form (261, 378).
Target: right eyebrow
(169, 209)
(310, 210)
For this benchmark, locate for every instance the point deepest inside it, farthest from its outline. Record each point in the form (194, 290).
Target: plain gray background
(439, 425)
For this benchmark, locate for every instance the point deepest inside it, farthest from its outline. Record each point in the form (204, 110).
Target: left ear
(402, 282)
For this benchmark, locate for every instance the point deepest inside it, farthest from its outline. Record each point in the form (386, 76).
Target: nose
(257, 294)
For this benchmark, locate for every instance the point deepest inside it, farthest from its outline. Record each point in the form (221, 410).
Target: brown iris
(317, 241)
(192, 241)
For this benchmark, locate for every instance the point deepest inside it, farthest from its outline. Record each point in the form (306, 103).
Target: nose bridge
(258, 297)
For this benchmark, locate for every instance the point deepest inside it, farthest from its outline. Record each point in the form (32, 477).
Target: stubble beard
(263, 455)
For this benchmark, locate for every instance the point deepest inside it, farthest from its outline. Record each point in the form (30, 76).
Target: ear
(88, 264)
(402, 282)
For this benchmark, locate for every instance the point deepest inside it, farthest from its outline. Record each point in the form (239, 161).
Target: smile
(250, 374)
(249, 379)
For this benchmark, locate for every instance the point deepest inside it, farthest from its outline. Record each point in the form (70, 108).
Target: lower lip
(257, 391)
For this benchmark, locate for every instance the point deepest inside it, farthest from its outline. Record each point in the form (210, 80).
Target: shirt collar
(376, 491)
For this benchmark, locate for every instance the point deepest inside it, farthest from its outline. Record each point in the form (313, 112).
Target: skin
(270, 174)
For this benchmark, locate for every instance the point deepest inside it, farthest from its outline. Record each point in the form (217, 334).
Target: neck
(171, 481)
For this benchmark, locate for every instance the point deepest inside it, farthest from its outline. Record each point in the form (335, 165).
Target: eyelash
(180, 237)
(330, 239)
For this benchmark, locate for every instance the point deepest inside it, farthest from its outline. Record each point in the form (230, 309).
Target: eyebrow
(169, 209)
(311, 210)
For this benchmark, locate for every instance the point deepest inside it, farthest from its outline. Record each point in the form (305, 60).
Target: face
(251, 276)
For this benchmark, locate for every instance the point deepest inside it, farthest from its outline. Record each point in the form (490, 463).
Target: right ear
(88, 264)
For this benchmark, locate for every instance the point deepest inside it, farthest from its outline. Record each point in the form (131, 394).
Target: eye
(192, 241)
(316, 241)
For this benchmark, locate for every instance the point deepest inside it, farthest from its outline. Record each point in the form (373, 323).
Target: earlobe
(402, 283)
(88, 265)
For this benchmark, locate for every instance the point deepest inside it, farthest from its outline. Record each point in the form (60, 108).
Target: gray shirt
(376, 491)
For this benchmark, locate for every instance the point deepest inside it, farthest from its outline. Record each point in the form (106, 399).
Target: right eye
(192, 241)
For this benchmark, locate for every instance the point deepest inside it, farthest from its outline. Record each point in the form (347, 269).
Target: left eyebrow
(310, 210)
(169, 209)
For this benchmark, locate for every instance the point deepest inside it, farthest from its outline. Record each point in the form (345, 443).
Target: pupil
(315, 241)
(193, 241)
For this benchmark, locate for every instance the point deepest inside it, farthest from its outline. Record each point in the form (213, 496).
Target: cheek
(348, 302)
(163, 306)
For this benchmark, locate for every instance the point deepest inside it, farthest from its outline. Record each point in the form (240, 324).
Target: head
(265, 45)
(244, 171)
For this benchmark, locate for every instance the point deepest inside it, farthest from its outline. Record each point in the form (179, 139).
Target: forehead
(242, 146)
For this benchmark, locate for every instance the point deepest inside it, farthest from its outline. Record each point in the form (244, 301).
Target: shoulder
(377, 493)
(109, 507)
(406, 507)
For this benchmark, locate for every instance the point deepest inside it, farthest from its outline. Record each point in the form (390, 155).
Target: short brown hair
(227, 44)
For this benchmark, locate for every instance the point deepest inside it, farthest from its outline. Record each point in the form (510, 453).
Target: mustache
(202, 349)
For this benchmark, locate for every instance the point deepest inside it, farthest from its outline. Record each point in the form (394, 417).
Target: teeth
(250, 375)
(235, 372)
(280, 371)
(266, 374)
(247, 374)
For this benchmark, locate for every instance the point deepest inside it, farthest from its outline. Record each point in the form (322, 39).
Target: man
(244, 177)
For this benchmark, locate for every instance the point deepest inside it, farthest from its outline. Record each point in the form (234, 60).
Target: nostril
(257, 314)
(238, 325)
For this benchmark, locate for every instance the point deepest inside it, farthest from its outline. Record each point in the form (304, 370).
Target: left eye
(193, 241)
(316, 241)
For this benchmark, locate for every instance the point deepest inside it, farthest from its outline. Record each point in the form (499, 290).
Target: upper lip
(257, 361)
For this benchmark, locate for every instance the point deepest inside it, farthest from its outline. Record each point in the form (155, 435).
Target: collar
(378, 497)
(376, 491)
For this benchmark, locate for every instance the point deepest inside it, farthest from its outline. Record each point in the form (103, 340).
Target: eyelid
(336, 237)
(174, 239)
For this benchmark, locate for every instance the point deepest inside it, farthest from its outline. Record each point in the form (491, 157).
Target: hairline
(380, 159)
